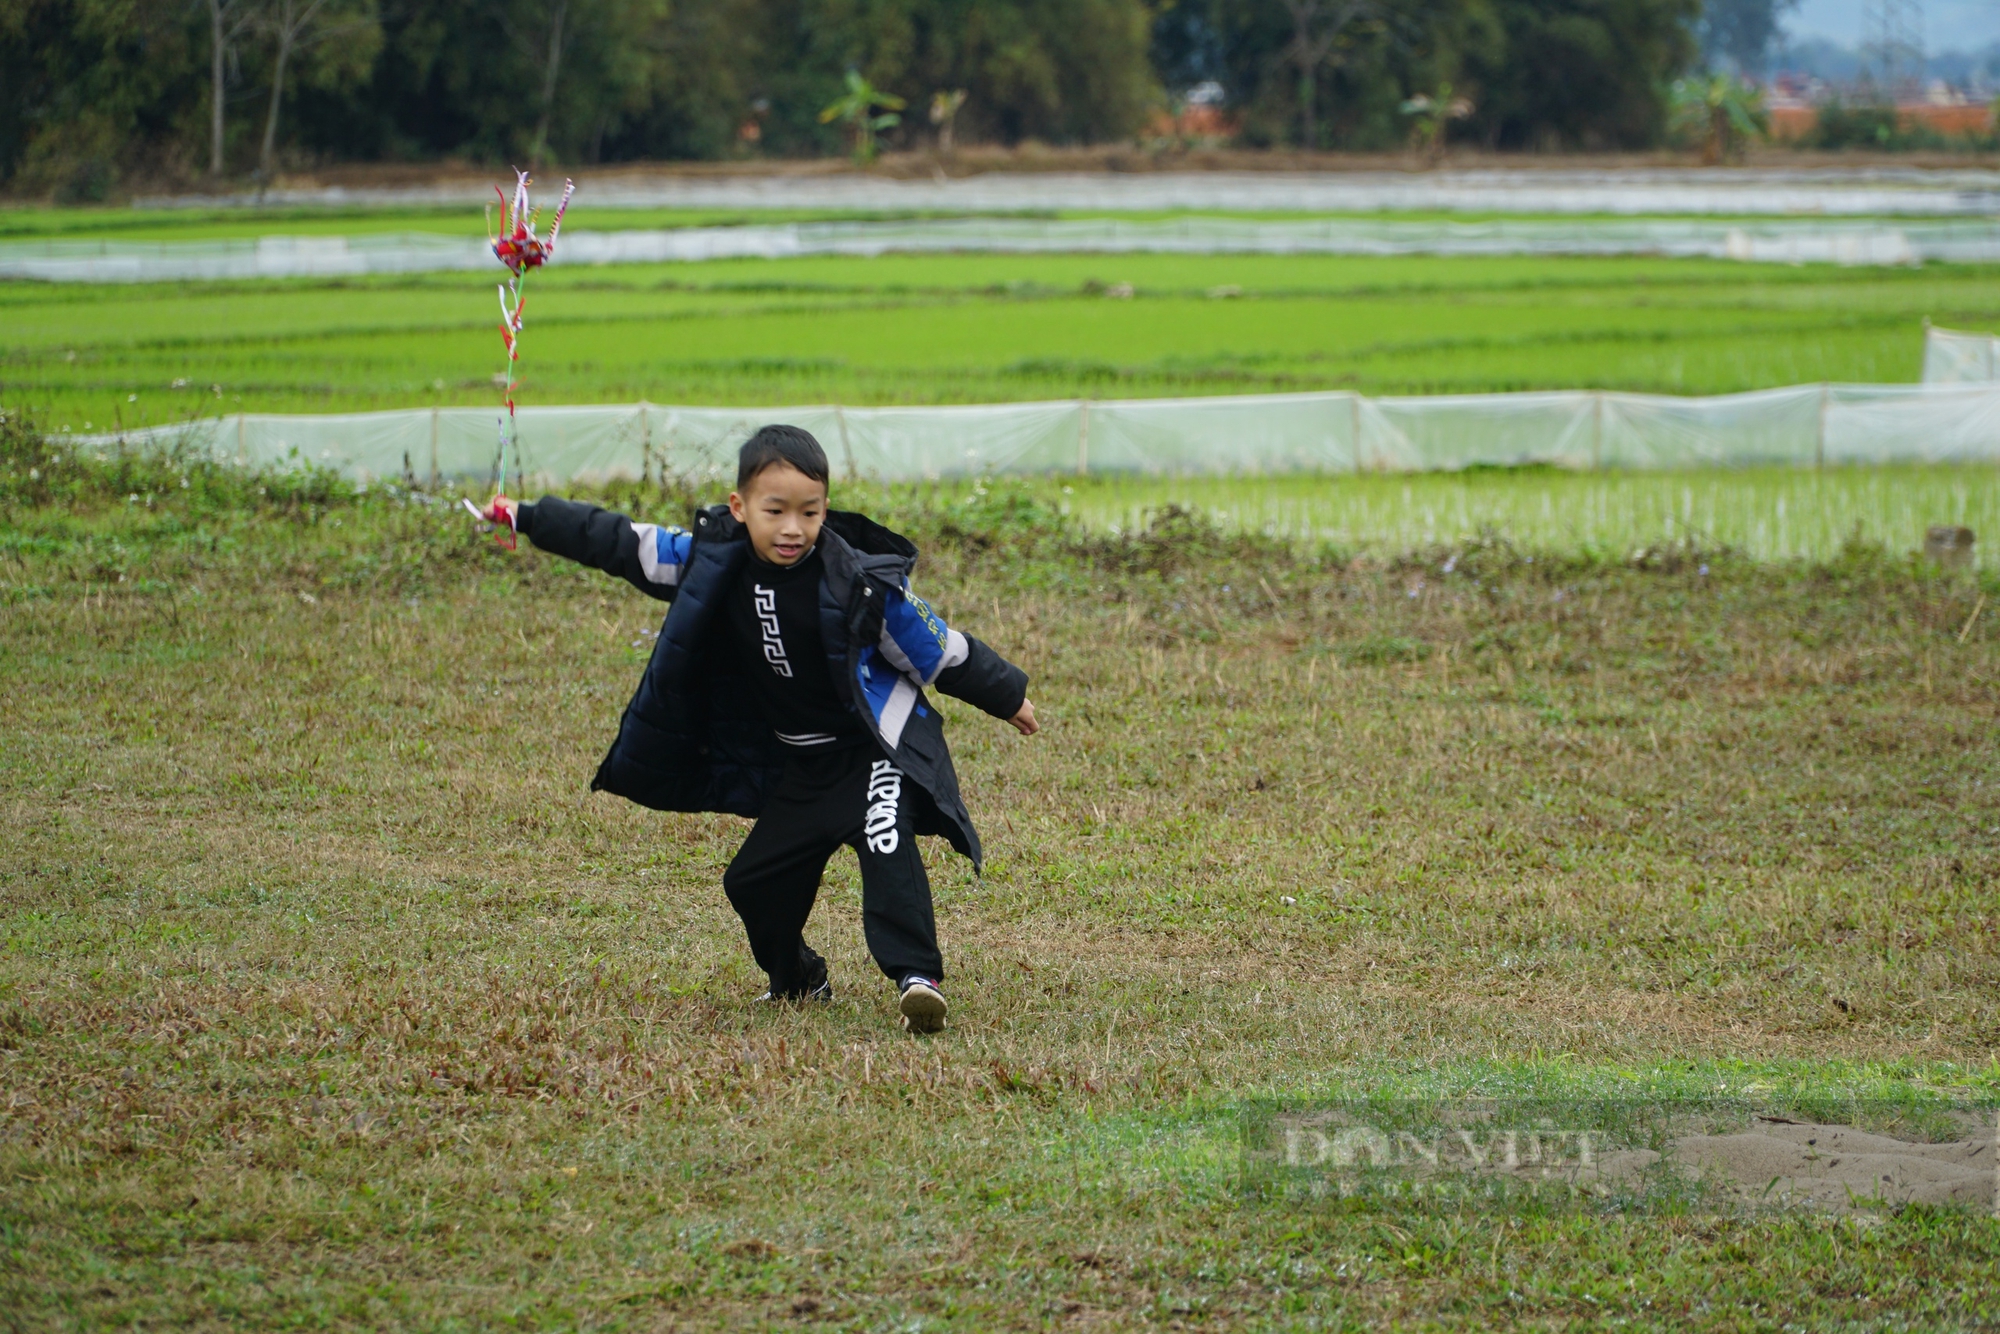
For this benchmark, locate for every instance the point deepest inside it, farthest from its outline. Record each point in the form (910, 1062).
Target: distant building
(1201, 115)
(1793, 120)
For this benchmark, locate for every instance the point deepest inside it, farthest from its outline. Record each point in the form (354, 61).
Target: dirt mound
(1840, 1168)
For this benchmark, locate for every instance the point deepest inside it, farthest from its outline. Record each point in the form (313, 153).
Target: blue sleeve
(918, 643)
(915, 639)
(663, 553)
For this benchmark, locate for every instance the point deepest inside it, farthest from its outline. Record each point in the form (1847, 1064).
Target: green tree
(589, 63)
(1581, 73)
(1324, 30)
(537, 30)
(228, 22)
(496, 81)
(93, 92)
(706, 68)
(337, 40)
(1323, 74)
(1061, 71)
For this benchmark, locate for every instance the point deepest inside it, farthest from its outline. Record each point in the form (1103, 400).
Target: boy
(787, 685)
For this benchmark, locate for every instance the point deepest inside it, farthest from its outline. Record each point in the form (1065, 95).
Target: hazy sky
(1948, 24)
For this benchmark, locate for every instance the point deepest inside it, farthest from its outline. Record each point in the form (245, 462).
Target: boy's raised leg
(773, 882)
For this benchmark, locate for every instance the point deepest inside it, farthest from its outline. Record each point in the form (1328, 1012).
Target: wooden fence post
(1825, 402)
(646, 445)
(846, 445)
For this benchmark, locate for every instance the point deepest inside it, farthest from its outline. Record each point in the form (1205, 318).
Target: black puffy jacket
(694, 738)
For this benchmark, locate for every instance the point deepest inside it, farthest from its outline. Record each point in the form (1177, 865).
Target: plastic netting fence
(1952, 356)
(1326, 433)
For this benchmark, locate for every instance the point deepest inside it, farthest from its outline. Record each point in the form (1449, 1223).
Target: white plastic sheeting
(264, 257)
(1715, 191)
(1788, 242)
(1952, 356)
(1807, 425)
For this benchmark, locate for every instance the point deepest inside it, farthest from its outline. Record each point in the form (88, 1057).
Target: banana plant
(944, 111)
(857, 108)
(1431, 114)
(1722, 111)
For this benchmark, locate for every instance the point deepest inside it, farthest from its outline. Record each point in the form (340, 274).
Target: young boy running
(787, 685)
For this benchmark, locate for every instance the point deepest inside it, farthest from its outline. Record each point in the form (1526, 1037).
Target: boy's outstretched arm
(645, 555)
(916, 640)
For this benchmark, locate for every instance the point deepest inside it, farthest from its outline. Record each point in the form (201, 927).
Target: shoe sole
(923, 1010)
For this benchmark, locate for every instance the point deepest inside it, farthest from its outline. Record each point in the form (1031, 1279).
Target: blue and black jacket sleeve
(645, 555)
(985, 680)
(916, 641)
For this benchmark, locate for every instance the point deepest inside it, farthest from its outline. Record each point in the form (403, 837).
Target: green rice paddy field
(971, 328)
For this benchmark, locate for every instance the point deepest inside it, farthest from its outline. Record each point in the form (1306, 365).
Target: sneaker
(818, 985)
(822, 992)
(922, 1005)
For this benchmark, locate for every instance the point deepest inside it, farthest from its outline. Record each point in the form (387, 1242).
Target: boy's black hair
(781, 444)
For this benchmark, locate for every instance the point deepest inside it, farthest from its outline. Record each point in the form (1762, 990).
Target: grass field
(971, 329)
(330, 998)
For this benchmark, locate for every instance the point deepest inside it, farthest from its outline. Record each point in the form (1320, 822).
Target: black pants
(851, 796)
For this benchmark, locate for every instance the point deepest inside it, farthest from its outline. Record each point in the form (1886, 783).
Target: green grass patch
(328, 995)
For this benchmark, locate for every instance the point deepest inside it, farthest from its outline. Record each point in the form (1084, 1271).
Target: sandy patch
(1839, 1167)
(1832, 1167)
(1754, 1163)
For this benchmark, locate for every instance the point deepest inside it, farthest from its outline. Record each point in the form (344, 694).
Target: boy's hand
(503, 514)
(1024, 721)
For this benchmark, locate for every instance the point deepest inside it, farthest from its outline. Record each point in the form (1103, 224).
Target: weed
(38, 470)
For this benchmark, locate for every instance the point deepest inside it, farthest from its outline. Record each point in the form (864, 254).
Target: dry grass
(328, 996)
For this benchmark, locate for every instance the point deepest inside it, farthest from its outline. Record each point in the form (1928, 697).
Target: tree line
(101, 95)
